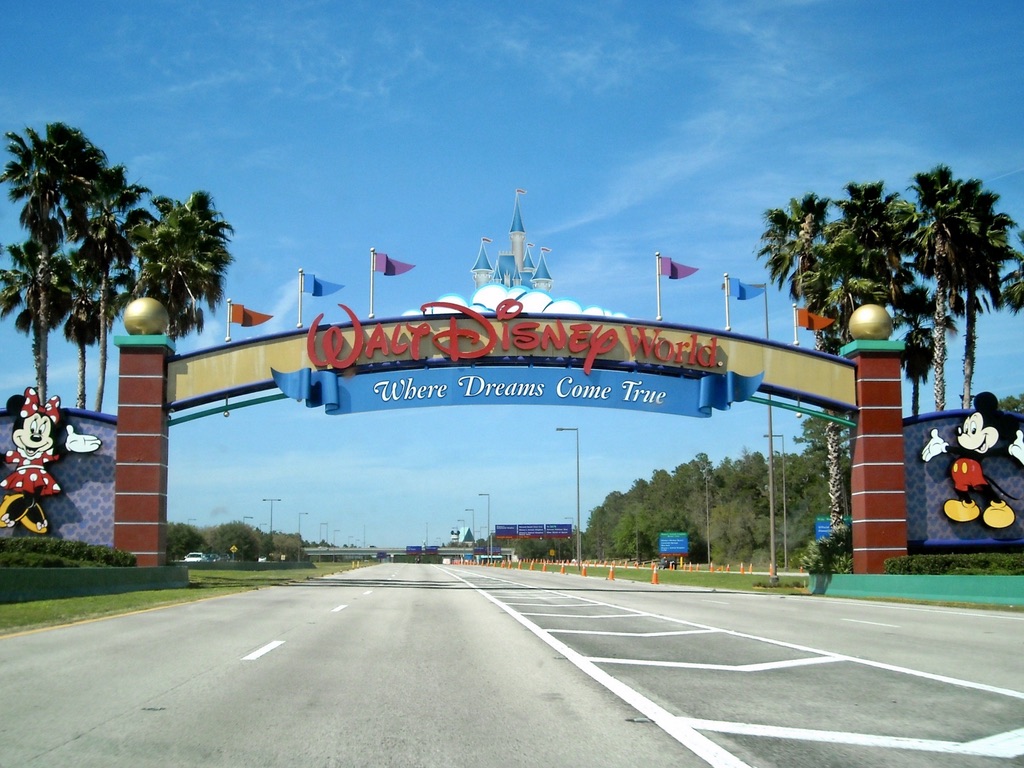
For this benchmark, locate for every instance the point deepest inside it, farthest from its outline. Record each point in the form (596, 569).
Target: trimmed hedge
(973, 564)
(54, 553)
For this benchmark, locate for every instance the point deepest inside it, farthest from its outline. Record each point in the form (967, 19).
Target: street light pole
(488, 524)
(271, 514)
(579, 530)
(298, 555)
(785, 523)
(707, 511)
(773, 572)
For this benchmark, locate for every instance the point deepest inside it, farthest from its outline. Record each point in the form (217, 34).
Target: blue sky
(324, 128)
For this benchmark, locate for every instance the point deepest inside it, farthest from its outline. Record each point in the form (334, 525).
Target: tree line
(933, 259)
(94, 242)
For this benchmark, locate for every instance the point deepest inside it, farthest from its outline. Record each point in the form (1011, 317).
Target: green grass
(40, 614)
(788, 585)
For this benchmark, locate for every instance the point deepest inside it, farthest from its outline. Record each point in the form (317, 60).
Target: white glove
(935, 446)
(81, 443)
(1016, 448)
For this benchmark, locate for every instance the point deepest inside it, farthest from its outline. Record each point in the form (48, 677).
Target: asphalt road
(419, 665)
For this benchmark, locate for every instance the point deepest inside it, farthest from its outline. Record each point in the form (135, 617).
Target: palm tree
(881, 224)
(1013, 281)
(914, 313)
(946, 229)
(21, 293)
(53, 177)
(114, 212)
(794, 245)
(793, 241)
(81, 327)
(989, 253)
(183, 259)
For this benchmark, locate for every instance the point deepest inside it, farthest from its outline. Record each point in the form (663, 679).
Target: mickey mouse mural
(41, 436)
(986, 432)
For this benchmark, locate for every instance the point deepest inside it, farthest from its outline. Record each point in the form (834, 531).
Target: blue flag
(744, 291)
(313, 285)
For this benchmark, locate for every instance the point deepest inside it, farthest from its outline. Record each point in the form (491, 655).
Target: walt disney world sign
(452, 354)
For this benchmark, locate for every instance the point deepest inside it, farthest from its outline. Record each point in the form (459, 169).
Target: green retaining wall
(19, 585)
(989, 590)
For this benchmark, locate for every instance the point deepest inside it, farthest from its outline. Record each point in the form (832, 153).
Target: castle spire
(517, 234)
(482, 270)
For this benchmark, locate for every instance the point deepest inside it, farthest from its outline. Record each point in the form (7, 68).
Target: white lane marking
(265, 649)
(716, 602)
(760, 667)
(368, 592)
(872, 623)
(696, 742)
(339, 608)
(633, 634)
(958, 682)
(1004, 745)
(579, 616)
(1007, 745)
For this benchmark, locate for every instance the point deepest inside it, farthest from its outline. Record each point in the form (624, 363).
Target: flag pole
(773, 574)
(726, 286)
(657, 279)
(301, 286)
(373, 259)
(796, 339)
(227, 336)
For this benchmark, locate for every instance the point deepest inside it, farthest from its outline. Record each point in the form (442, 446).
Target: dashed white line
(339, 608)
(670, 633)
(368, 592)
(265, 649)
(872, 623)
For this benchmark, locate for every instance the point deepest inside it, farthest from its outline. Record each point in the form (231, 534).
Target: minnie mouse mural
(41, 436)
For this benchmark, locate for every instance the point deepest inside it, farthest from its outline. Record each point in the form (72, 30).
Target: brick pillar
(877, 483)
(140, 475)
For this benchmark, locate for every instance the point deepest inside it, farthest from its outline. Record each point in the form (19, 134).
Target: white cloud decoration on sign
(487, 298)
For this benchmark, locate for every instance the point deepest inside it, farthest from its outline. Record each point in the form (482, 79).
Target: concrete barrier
(19, 585)
(984, 590)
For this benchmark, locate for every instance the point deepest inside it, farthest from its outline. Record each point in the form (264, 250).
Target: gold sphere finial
(871, 322)
(145, 317)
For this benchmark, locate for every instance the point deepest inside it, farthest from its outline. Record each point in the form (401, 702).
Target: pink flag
(388, 266)
(673, 270)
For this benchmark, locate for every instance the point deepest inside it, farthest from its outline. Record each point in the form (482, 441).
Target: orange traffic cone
(654, 575)
(611, 573)
(563, 569)
(583, 571)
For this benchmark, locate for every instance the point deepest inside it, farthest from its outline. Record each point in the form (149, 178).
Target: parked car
(193, 557)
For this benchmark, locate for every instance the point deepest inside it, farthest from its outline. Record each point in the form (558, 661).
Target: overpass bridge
(403, 554)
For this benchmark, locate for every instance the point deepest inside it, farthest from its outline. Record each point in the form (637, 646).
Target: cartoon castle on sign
(517, 266)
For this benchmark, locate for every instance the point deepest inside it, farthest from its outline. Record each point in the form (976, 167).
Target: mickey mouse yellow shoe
(961, 511)
(998, 515)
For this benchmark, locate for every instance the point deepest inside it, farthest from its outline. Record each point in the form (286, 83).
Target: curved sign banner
(451, 354)
(515, 386)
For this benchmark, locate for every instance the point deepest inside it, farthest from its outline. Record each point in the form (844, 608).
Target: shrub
(833, 554)
(964, 564)
(49, 553)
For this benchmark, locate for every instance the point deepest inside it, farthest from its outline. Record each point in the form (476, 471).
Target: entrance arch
(455, 355)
